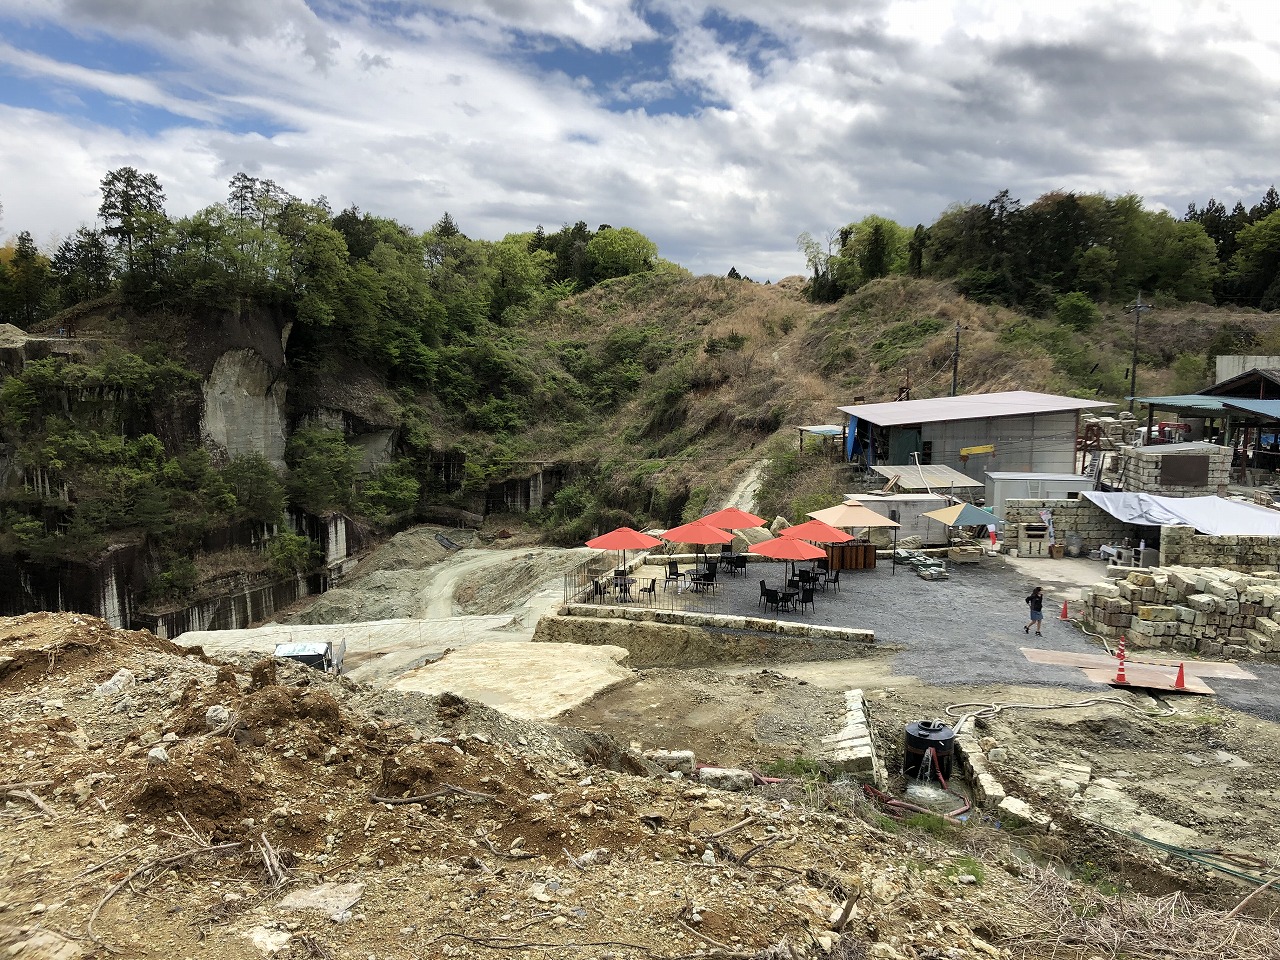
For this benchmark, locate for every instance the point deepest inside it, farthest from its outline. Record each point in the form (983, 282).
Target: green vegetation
(641, 391)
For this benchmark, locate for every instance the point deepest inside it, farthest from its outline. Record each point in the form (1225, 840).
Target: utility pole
(1137, 307)
(955, 363)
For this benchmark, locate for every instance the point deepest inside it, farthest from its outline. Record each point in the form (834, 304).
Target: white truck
(326, 655)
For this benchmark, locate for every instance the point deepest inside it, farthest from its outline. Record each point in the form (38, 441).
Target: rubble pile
(160, 803)
(1207, 610)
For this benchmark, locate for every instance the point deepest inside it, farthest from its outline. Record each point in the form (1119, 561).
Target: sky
(720, 131)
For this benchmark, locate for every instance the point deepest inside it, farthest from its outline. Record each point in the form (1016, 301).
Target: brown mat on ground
(1147, 678)
(1201, 668)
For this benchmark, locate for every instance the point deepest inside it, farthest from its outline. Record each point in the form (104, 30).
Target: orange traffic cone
(1180, 681)
(1120, 677)
(1064, 611)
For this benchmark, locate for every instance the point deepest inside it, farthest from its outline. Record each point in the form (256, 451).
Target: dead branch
(275, 869)
(513, 855)
(1240, 906)
(24, 785)
(160, 863)
(445, 789)
(728, 830)
(35, 801)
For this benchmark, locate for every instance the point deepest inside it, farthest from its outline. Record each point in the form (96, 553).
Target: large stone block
(1158, 614)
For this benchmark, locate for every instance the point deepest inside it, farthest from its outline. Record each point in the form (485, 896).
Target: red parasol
(624, 539)
(698, 532)
(817, 532)
(787, 548)
(731, 518)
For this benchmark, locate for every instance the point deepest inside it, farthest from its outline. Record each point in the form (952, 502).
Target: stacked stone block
(1093, 525)
(1138, 470)
(1208, 610)
(1183, 546)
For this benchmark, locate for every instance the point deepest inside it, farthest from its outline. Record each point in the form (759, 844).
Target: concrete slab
(532, 681)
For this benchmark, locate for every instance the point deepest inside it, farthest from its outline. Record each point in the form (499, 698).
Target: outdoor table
(787, 598)
(623, 585)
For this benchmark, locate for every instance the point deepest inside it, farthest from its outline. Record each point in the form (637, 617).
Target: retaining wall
(1093, 525)
(660, 638)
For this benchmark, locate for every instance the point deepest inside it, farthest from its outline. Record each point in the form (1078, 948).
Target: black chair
(763, 592)
(739, 564)
(622, 589)
(704, 581)
(833, 579)
(673, 574)
(806, 597)
(599, 590)
(651, 589)
(770, 597)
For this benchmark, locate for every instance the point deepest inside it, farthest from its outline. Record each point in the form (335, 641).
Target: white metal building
(1026, 431)
(1003, 486)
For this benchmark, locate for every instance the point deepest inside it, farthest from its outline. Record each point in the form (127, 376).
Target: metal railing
(593, 581)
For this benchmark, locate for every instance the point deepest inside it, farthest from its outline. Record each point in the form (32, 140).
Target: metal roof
(927, 477)
(825, 429)
(1029, 475)
(977, 406)
(1197, 404)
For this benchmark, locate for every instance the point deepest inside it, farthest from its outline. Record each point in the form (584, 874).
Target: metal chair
(673, 574)
(651, 589)
(832, 579)
(763, 592)
(806, 598)
(770, 597)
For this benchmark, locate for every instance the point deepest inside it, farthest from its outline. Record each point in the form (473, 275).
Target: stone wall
(658, 638)
(1182, 545)
(1093, 525)
(1138, 469)
(1209, 610)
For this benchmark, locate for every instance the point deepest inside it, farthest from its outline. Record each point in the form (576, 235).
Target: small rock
(157, 756)
(216, 716)
(122, 680)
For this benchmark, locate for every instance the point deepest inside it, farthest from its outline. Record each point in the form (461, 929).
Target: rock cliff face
(244, 406)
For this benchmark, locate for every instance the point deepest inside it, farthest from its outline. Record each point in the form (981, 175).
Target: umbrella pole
(893, 566)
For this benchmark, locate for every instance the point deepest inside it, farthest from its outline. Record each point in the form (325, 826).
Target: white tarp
(1212, 515)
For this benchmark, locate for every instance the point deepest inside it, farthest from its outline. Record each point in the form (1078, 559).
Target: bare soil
(454, 830)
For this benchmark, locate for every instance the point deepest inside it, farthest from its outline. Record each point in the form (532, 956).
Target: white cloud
(897, 107)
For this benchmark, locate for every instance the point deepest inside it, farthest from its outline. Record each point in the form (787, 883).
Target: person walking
(1035, 603)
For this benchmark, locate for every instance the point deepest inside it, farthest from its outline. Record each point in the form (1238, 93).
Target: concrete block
(726, 778)
(1157, 613)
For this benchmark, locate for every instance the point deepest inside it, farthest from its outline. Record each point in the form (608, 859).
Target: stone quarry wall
(1093, 525)
(1183, 546)
(1208, 610)
(658, 638)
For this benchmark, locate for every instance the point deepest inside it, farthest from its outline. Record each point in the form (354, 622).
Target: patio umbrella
(857, 515)
(624, 539)
(963, 515)
(852, 515)
(698, 533)
(731, 518)
(787, 548)
(816, 531)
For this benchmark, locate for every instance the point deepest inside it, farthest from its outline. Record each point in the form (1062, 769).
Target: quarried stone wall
(1138, 469)
(1093, 525)
(1210, 610)
(1182, 545)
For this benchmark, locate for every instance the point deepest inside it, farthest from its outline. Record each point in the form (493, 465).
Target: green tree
(322, 470)
(30, 281)
(1256, 265)
(82, 267)
(1077, 311)
(259, 493)
(132, 210)
(620, 252)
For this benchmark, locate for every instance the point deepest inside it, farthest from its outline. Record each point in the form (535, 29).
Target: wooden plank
(1147, 678)
(1201, 668)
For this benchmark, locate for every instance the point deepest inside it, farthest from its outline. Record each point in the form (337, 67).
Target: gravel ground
(966, 630)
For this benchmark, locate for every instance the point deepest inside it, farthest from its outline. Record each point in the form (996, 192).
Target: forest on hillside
(1091, 247)
(502, 349)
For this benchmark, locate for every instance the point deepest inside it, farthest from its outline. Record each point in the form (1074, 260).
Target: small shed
(1010, 430)
(909, 510)
(1005, 485)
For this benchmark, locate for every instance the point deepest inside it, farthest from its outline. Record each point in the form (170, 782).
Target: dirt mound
(170, 810)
